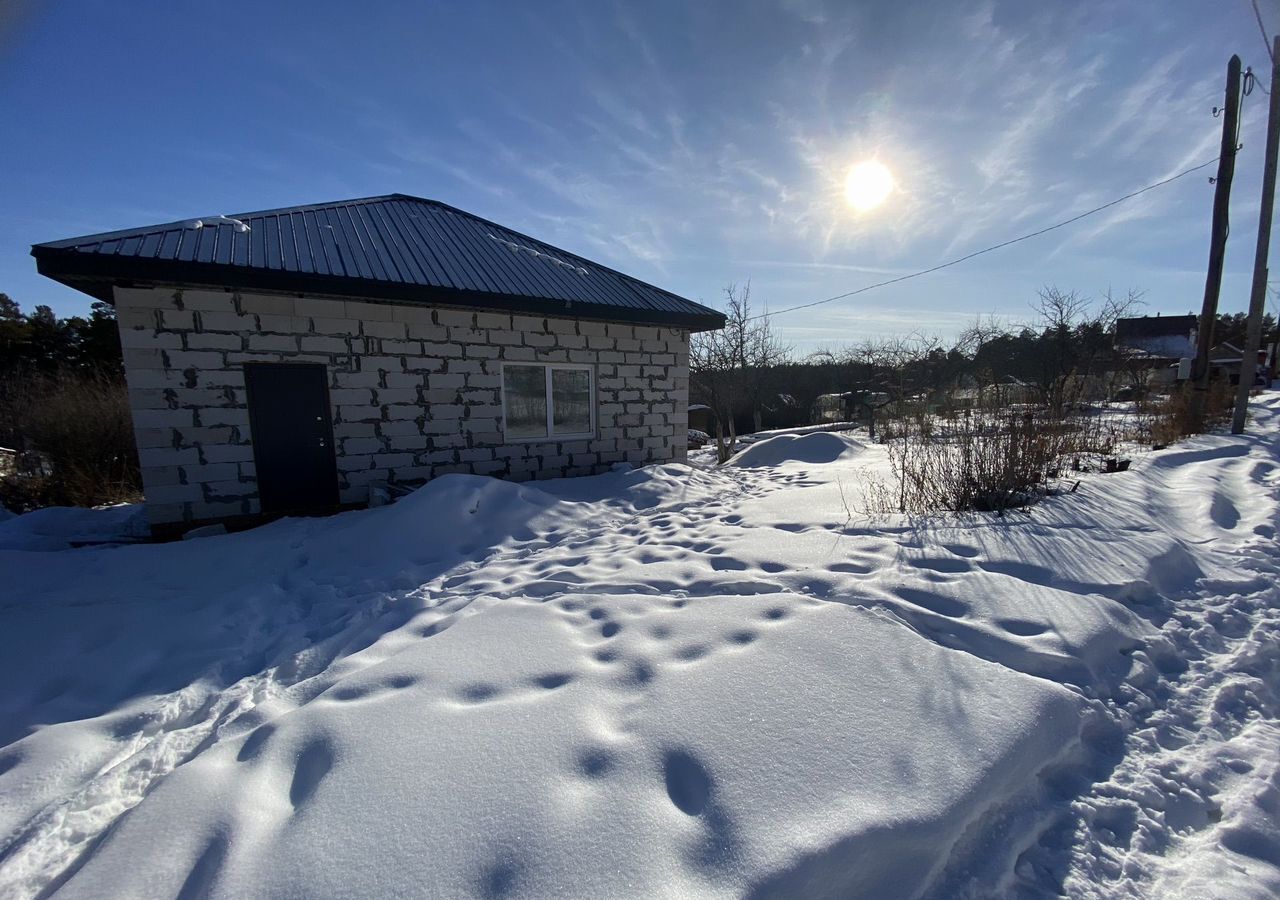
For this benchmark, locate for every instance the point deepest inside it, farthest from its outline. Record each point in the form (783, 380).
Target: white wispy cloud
(996, 119)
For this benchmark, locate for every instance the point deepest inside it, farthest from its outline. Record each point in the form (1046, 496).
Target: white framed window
(548, 401)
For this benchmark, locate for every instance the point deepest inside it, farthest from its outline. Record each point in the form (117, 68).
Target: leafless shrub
(75, 440)
(984, 461)
(1170, 418)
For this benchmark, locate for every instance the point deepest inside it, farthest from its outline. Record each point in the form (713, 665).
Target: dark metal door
(292, 437)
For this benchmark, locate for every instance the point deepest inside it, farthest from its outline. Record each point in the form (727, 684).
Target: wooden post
(1217, 244)
(1258, 299)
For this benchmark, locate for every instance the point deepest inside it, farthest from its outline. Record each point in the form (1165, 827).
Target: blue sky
(691, 144)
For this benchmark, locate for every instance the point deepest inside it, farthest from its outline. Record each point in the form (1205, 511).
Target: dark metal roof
(1155, 326)
(394, 248)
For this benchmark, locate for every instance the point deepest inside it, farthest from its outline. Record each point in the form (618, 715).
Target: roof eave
(94, 275)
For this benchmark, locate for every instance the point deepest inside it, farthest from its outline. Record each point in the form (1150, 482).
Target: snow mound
(812, 449)
(61, 527)
(629, 490)
(452, 515)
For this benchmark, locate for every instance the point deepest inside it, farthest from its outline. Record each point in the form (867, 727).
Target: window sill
(549, 439)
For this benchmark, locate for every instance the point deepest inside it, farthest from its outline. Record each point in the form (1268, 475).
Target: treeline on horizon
(753, 380)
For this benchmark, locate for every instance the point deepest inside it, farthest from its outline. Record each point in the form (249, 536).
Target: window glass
(571, 401)
(524, 390)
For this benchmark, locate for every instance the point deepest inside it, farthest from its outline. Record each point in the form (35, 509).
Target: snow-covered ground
(669, 682)
(64, 527)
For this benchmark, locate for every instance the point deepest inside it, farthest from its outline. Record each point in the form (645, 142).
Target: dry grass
(75, 438)
(1170, 416)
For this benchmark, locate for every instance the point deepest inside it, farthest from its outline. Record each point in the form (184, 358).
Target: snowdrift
(61, 527)
(657, 682)
(813, 449)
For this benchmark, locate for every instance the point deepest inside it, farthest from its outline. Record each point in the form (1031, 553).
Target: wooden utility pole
(1217, 244)
(1258, 299)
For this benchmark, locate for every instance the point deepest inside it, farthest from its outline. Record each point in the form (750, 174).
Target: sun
(867, 185)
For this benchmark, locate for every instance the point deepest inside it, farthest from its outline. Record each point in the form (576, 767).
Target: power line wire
(1002, 244)
(1257, 14)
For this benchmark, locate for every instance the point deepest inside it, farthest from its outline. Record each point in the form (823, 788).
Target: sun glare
(867, 185)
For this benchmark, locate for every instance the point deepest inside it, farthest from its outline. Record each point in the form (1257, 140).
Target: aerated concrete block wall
(415, 392)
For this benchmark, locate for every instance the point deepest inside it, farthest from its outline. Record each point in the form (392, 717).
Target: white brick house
(285, 361)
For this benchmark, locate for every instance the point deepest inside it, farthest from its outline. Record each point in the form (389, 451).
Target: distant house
(1006, 390)
(830, 408)
(1225, 359)
(286, 361)
(1161, 337)
(1150, 347)
(848, 406)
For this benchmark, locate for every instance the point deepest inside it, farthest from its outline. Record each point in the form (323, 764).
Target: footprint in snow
(553, 680)
(484, 692)
(596, 762)
(254, 742)
(941, 564)
(936, 603)
(1022, 627)
(687, 781)
(313, 764)
(200, 880)
(1223, 512)
(433, 628)
(9, 760)
(478, 693)
(634, 675)
(691, 652)
(500, 879)
(691, 790)
(348, 693)
(849, 568)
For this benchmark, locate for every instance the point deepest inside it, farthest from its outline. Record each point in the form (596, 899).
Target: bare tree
(1077, 339)
(900, 366)
(730, 365)
(971, 341)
